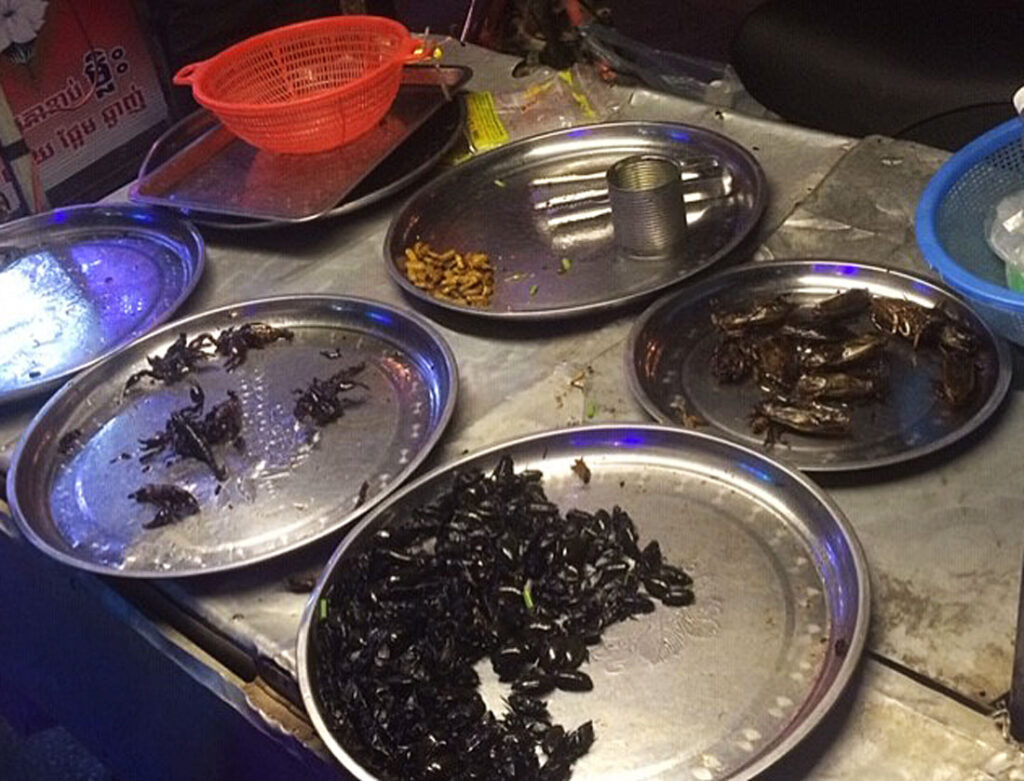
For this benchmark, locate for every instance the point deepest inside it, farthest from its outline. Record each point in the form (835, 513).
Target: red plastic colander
(306, 87)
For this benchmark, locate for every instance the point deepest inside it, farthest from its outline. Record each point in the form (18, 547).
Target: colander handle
(186, 75)
(416, 50)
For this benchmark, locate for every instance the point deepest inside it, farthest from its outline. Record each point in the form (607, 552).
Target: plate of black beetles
(604, 602)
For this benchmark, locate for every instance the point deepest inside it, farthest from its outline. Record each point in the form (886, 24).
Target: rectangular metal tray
(218, 172)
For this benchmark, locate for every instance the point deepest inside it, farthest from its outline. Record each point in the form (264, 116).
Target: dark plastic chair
(940, 72)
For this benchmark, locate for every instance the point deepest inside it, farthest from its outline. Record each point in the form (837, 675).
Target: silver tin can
(648, 214)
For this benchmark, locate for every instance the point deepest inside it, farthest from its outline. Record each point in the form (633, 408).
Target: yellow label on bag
(486, 130)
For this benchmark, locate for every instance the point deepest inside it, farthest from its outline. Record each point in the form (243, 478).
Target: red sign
(79, 82)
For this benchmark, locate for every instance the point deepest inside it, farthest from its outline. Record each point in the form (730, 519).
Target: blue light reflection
(837, 268)
(380, 317)
(680, 135)
(757, 472)
(631, 440)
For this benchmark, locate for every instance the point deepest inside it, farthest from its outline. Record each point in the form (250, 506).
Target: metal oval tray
(719, 690)
(669, 350)
(535, 202)
(291, 485)
(419, 153)
(77, 283)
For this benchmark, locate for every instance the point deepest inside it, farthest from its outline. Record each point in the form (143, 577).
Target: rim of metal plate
(449, 118)
(478, 167)
(737, 278)
(841, 664)
(89, 218)
(42, 435)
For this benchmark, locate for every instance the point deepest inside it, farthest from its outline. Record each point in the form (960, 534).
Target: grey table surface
(943, 536)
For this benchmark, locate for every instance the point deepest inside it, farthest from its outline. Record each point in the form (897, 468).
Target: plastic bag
(565, 99)
(676, 74)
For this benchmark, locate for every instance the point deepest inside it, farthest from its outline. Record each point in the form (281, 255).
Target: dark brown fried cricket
(814, 418)
(911, 321)
(839, 386)
(733, 359)
(842, 306)
(759, 314)
(839, 355)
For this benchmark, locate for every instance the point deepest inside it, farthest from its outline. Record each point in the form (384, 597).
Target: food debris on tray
(581, 470)
(302, 583)
(489, 569)
(173, 503)
(812, 362)
(466, 279)
(364, 491)
(69, 441)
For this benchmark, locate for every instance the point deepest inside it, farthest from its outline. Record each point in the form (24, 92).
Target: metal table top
(942, 536)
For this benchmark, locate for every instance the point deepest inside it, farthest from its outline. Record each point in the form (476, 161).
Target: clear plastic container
(1005, 234)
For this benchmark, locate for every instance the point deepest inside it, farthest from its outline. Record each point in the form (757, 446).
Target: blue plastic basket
(952, 220)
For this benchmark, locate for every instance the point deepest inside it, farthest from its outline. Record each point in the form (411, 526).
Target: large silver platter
(292, 484)
(669, 350)
(719, 690)
(77, 283)
(533, 203)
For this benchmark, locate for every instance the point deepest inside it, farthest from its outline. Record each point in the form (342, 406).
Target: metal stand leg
(1016, 700)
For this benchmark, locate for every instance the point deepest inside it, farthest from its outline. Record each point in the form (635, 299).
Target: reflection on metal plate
(291, 483)
(539, 202)
(719, 690)
(669, 352)
(79, 282)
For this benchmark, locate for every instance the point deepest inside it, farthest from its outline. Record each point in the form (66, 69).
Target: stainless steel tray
(291, 485)
(719, 690)
(670, 347)
(77, 283)
(534, 202)
(413, 158)
(211, 170)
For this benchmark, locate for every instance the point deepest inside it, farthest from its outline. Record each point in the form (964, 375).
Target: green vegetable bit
(528, 595)
(500, 183)
(323, 609)
(533, 290)
(566, 265)
(591, 409)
